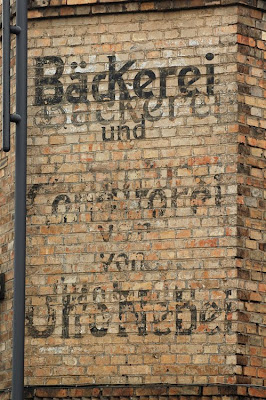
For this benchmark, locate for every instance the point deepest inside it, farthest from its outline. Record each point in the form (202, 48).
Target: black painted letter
(43, 82)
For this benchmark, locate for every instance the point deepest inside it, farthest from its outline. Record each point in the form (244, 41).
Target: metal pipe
(6, 74)
(20, 204)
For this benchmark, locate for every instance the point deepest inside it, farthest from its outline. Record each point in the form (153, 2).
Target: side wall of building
(132, 198)
(144, 202)
(251, 181)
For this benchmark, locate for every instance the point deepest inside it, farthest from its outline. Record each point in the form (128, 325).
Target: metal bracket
(2, 286)
(15, 118)
(15, 29)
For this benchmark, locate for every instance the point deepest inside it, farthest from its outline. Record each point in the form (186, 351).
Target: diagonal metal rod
(20, 203)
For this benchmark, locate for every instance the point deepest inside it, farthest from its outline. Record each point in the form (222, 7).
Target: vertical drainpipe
(20, 118)
(20, 204)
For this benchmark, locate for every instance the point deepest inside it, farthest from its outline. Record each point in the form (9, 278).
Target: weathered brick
(145, 177)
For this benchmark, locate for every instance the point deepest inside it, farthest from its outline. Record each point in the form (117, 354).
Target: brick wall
(251, 209)
(147, 392)
(144, 229)
(6, 245)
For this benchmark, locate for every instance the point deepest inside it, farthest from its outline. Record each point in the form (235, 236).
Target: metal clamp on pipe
(15, 29)
(6, 117)
(15, 118)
